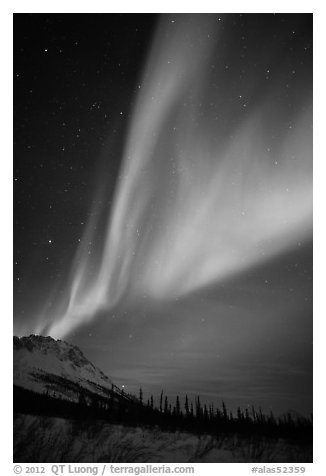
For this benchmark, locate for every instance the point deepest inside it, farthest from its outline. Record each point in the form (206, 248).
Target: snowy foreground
(50, 440)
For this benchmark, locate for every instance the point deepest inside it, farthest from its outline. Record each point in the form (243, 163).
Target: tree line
(166, 414)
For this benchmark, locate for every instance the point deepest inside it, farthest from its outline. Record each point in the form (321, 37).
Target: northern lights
(185, 259)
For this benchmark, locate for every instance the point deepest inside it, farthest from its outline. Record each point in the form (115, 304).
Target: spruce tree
(161, 402)
(166, 405)
(225, 412)
(205, 412)
(177, 406)
(187, 406)
(198, 408)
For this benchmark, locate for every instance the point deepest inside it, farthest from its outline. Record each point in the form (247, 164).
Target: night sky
(163, 199)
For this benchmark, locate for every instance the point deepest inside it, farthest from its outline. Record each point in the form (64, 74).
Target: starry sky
(162, 199)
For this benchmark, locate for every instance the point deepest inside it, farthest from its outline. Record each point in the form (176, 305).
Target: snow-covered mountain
(46, 365)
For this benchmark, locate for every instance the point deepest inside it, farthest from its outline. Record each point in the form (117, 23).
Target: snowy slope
(43, 364)
(40, 439)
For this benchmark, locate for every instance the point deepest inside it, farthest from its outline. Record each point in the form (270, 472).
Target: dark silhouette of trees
(120, 407)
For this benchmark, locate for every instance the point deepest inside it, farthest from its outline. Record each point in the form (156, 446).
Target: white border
(7, 9)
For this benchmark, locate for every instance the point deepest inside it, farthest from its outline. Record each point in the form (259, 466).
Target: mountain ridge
(47, 365)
